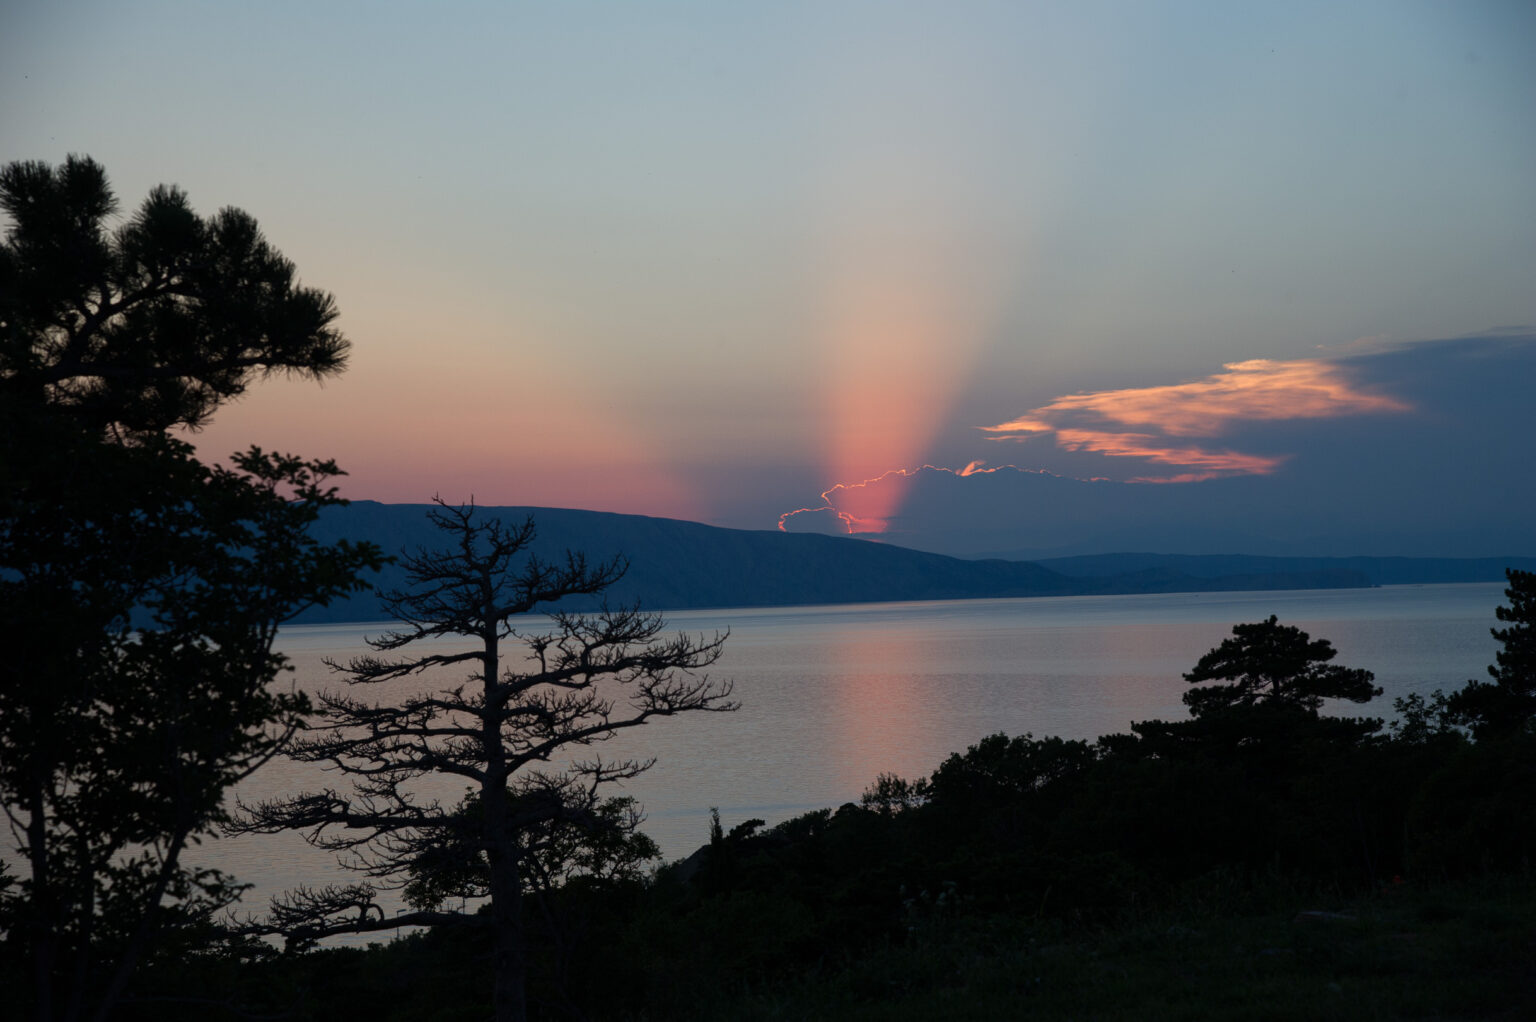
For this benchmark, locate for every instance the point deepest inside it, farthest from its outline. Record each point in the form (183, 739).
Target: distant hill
(677, 565)
(1384, 571)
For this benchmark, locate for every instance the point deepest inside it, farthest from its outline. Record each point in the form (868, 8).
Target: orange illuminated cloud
(1155, 449)
(1024, 425)
(1258, 389)
(1253, 391)
(1153, 424)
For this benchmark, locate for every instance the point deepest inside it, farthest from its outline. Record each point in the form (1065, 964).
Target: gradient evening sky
(708, 260)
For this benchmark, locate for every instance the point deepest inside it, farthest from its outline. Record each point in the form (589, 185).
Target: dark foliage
(1274, 664)
(1276, 680)
(1508, 705)
(153, 324)
(140, 589)
(1018, 850)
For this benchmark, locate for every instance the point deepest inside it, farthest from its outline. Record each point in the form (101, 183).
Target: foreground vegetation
(1454, 951)
(1258, 861)
(1071, 900)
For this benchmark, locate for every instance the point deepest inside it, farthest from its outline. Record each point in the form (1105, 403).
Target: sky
(964, 276)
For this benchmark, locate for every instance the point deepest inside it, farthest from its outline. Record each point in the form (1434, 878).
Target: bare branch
(307, 915)
(528, 819)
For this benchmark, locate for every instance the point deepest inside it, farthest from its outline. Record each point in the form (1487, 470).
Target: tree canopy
(140, 588)
(152, 324)
(1508, 704)
(1270, 663)
(1272, 680)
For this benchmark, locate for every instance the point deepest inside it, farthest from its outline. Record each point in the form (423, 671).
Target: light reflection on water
(833, 696)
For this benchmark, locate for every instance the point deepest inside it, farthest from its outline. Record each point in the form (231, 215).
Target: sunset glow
(1163, 421)
(867, 506)
(901, 332)
(863, 507)
(889, 411)
(888, 386)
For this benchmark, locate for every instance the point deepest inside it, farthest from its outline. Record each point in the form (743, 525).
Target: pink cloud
(1154, 449)
(1258, 389)
(1251, 391)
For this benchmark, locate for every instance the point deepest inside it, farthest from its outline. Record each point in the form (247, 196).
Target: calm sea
(832, 696)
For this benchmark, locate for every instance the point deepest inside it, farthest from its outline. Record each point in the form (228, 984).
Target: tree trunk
(128, 961)
(509, 997)
(43, 910)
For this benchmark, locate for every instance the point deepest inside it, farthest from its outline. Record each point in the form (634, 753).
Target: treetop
(151, 324)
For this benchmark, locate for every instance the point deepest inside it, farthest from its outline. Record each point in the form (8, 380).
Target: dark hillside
(680, 565)
(1382, 571)
(675, 564)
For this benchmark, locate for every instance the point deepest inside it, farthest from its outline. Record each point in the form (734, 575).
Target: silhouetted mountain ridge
(1384, 571)
(679, 565)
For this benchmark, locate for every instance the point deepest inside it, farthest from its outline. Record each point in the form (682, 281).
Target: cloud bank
(1422, 449)
(1146, 422)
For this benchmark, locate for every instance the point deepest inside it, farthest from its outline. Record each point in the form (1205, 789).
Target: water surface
(834, 695)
